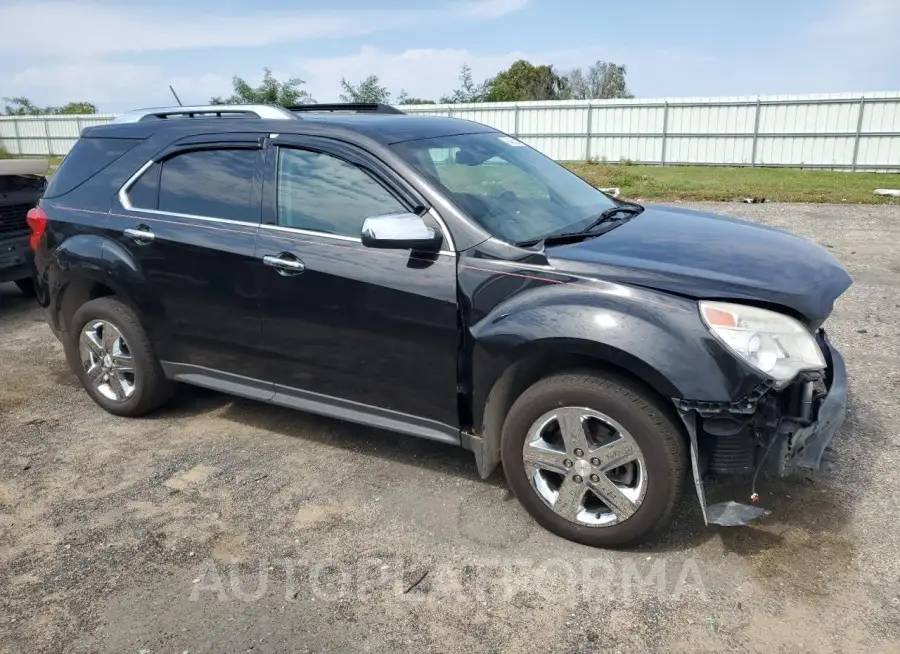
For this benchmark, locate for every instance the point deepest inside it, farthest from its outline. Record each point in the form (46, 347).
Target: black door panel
(375, 327)
(205, 277)
(201, 268)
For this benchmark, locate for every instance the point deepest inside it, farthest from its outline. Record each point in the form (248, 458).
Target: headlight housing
(773, 343)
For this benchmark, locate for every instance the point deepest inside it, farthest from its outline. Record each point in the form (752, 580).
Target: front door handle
(285, 263)
(141, 234)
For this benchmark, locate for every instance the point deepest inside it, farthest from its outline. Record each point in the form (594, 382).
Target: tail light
(37, 221)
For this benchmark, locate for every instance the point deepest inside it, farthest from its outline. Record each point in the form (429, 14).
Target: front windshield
(513, 191)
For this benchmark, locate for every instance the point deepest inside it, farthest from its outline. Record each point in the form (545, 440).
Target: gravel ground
(225, 525)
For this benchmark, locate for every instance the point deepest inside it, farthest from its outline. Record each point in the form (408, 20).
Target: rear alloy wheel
(111, 354)
(594, 459)
(106, 359)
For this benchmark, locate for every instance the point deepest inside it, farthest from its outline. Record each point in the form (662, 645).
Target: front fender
(658, 338)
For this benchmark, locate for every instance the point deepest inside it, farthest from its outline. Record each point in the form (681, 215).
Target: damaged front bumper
(803, 446)
(780, 431)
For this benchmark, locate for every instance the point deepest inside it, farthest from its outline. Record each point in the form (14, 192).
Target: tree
(25, 107)
(404, 98)
(367, 91)
(270, 91)
(602, 80)
(77, 108)
(468, 90)
(525, 81)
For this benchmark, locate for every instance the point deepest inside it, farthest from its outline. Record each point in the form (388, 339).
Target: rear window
(87, 158)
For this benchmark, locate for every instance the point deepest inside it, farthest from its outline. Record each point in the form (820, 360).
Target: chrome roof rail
(347, 107)
(265, 111)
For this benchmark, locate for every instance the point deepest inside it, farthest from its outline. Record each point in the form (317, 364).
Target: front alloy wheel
(594, 457)
(585, 466)
(107, 360)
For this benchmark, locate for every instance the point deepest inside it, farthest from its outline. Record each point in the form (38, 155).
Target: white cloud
(876, 22)
(75, 29)
(113, 86)
(853, 46)
(427, 73)
(431, 73)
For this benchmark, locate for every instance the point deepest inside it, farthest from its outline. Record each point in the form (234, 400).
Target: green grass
(713, 183)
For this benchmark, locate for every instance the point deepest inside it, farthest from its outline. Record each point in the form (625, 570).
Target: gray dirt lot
(226, 525)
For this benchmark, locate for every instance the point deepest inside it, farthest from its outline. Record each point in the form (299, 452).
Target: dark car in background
(22, 182)
(438, 278)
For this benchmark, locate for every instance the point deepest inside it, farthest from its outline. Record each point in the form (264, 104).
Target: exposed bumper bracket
(724, 514)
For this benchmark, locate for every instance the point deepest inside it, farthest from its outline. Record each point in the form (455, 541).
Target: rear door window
(206, 183)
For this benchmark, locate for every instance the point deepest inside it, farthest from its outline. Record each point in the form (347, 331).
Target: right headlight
(773, 343)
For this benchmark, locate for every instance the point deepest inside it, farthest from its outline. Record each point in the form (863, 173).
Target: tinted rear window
(87, 158)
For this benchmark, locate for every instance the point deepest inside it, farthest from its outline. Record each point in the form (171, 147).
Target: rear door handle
(285, 263)
(141, 234)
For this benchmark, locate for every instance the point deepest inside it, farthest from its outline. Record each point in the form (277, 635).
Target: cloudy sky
(123, 54)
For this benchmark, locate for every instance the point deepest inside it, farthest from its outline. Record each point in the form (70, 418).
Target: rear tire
(564, 487)
(110, 353)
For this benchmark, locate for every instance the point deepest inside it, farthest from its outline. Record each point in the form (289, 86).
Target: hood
(703, 255)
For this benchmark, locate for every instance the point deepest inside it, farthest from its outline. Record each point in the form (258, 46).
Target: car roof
(384, 129)
(396, 128)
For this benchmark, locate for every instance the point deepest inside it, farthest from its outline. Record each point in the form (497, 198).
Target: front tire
(111, 355)
(594, 459)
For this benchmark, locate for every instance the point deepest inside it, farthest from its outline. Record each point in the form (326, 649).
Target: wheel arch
(552, 356)
(88, 267)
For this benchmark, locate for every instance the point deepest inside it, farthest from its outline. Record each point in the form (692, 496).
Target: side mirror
(399, 231)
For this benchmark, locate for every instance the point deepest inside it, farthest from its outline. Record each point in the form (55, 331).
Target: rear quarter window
(87, 158)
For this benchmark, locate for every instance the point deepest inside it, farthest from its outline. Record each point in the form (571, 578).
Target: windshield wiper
(626, 208)
(610, 214)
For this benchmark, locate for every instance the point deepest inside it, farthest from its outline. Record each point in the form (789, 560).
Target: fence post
(516, 121)
(665, 134)
(47, 135)
(755, 131)
(79, 125)
(859, 124)
(15, 122)
(587, 143)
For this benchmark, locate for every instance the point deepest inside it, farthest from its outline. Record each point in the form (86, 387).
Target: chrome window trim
(310, 232)
(125, 201)
(336, 237)
(448, 237)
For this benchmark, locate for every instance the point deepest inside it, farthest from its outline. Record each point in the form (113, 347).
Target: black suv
(438, 278)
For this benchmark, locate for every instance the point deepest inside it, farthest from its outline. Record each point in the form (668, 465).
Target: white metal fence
(837, 131)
